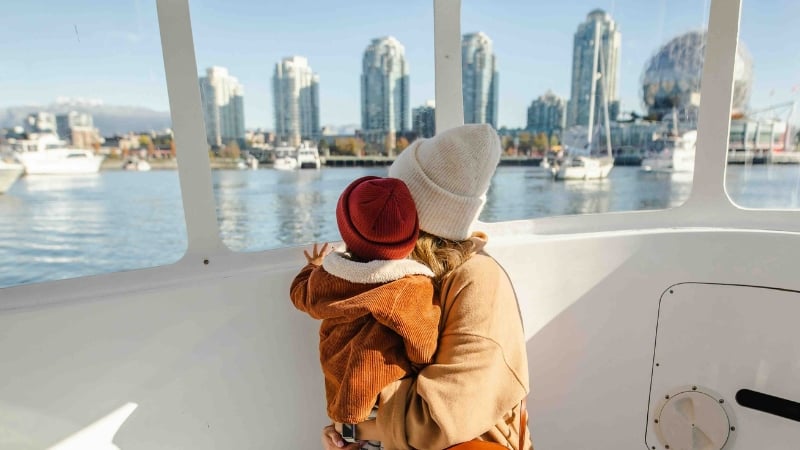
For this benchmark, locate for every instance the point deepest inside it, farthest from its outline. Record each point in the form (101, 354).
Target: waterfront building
(296, 97)
(479, 79)
(384, 92)
(223, 107)
(78, 128)
(423, 120)
(547, 114)
(595, 50)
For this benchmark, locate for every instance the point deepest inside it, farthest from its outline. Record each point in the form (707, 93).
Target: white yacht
(673, 153)
(285, 158)
(308, 157)
(47, 155)
(659, 329)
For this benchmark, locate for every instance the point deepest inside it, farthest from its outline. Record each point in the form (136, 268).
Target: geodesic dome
(671, 78)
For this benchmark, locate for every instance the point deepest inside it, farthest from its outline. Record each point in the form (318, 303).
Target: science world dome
(671, 78)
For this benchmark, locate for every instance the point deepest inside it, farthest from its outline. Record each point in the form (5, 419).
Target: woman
(474, 387)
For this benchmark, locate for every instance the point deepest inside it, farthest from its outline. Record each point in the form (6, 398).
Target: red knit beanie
(377, 218)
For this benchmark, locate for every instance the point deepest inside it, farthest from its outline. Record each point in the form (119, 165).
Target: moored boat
(48, 155)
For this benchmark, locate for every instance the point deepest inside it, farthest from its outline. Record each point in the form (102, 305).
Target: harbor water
(56, 227)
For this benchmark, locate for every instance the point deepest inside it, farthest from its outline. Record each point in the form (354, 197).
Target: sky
(110, 50)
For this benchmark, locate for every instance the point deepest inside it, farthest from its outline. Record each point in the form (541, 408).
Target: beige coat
(479, 373)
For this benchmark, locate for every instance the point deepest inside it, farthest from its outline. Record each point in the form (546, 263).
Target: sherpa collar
(376, 271)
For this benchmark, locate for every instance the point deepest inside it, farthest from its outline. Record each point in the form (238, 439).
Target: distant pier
(619, 160)
(372, 161)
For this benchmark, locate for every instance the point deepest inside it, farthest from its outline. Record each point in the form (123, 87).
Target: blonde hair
(442, 255)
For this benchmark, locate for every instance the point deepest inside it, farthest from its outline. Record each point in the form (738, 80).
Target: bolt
(205, 261)
(670, 291)
(722, 400)
(657, 364)
(733, 428)
(694, 388)
(666, 396)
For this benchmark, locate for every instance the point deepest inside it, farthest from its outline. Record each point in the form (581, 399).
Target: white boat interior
(645, 329)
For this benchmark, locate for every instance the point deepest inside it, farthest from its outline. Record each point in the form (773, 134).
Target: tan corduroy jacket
(379, 322)
(479, 374)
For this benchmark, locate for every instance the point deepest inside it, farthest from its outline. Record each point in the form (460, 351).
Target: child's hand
(316, 257)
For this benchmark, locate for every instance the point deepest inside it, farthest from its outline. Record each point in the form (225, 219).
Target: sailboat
(588, 165)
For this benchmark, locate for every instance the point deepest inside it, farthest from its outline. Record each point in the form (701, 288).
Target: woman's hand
(316, 256)
(332, 440)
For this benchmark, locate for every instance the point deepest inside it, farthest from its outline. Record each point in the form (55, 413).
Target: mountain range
(109, 119)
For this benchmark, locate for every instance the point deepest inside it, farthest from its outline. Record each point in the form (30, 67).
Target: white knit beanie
(448, 176)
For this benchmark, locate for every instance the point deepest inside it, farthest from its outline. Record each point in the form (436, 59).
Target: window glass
(763, 156)
(278, 78)
(605, 96)
(83, 97)
(292, 116)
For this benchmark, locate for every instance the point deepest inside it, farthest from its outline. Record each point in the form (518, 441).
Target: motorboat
(49, 155)
(285, 163)
(308, 157)
(672, 154)
(135, 164)
(672, 328)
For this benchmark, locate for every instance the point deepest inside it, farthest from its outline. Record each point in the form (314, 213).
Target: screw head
(205, 261)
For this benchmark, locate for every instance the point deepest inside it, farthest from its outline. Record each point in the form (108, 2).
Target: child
(380, 321)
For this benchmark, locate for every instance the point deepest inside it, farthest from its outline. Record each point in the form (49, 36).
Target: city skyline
(114, 52)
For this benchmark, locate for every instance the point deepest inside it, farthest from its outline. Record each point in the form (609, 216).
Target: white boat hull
(9, 173)
(285, 163)
(589, 169)
(60, 162)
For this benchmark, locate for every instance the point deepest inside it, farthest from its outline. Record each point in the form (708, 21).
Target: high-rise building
(423, 120)
(65, 123)
(295, 91)
(40, 122)
(384, 92)
(479, 79)
(223, 107)
(595, 51)
(547, 114)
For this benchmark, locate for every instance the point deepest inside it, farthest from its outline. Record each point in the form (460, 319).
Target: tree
(231, 150)
(540, 142)
(349, 146)
(554, 142)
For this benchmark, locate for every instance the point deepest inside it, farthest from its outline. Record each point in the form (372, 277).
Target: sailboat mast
(593, 91)
(603, 87)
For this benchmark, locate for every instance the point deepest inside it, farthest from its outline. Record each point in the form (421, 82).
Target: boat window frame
(708, 204)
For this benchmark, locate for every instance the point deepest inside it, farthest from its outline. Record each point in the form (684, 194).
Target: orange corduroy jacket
(380, 322)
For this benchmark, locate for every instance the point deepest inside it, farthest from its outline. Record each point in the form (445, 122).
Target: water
(55, 227)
